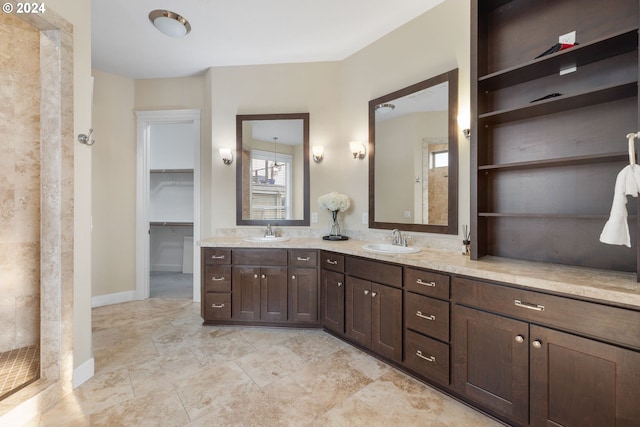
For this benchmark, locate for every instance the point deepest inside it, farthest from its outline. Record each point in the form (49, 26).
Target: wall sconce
(357, 149)
(227, 155)
(317, 152)
(463, 123)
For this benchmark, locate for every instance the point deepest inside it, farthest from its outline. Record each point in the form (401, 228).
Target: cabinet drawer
(427, 315)
(260, 257)
(374, 271)
(332, 261)
(427, 357)
(613, 324)
(303, 258)
(216, 256)
(217, 278)
(217, 306)
(426, 283)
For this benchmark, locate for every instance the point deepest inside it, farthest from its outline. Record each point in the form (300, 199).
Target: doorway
(168, 204)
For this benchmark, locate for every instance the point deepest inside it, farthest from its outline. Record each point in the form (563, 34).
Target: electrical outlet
(365, 218)
(314, 217)
(407, 214)
(569, 38)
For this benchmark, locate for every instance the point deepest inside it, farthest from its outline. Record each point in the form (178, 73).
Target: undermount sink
(386, 248)
(266, 239)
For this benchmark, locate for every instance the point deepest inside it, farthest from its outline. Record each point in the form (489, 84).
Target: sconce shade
(317, 152)
(169, 23)
(357, 149)
(227, 155)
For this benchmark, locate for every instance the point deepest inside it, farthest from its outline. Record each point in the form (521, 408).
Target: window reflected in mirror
(272, 170)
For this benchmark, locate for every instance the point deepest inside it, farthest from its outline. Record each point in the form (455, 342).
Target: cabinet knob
(255, 276)
(537, 344)
(339, 284)
(373, 294)
(264, 276)
(293, 277)
(366, 292)
(519, 339)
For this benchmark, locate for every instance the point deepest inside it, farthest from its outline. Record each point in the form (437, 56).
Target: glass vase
(334, 230)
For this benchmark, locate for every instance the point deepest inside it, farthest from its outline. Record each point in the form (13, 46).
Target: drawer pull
(331, 262)
(303, 259)
(427, 358)
(430, 284)
(217, 306)
(429, 317)
(217, 256)
(217, 279)
(536, 307)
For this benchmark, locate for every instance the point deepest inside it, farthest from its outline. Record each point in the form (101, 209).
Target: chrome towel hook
(86, 139)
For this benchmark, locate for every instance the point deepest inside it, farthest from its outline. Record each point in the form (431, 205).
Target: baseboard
(83, 372)
(117, 298)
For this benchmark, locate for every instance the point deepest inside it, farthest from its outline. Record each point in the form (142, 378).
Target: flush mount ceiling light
(169, 23)
(385, 108)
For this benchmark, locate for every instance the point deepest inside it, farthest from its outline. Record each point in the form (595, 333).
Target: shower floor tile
(18, 368)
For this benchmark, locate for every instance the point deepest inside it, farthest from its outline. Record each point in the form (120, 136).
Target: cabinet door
(580, 382)
(303, 294)
(491, 361)
(245, 295)
(358, 310)
(332, 300)
(386, 327)
(273, 294)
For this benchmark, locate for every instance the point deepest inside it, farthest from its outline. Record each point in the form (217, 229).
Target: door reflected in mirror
(272, 171)
(413, 165)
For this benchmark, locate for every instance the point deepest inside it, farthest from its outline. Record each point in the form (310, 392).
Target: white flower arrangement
(334, 202)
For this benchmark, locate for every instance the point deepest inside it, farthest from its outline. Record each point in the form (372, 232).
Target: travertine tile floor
(156, 365)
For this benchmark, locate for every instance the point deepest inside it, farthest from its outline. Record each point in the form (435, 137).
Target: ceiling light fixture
(169, 23)
(385, 108)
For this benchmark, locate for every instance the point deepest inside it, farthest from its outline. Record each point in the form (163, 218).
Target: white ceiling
(239, 32)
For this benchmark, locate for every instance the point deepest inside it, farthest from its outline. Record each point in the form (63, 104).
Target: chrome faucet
(398, 239)
(269, 232)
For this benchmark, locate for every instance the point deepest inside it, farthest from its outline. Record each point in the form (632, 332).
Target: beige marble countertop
(608, 286)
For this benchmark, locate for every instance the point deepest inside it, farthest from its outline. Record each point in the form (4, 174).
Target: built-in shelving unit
(543, 171)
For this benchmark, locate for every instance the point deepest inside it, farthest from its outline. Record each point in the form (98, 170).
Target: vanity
(527, 343)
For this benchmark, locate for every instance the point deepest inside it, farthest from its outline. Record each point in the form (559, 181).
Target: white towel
(616, 230)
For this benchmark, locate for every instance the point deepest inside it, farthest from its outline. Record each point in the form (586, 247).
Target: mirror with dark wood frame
(272, 169)
(413, 160)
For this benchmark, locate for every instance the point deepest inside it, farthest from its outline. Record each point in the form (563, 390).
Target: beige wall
(114, 189)
(79, 15)
(336, 94)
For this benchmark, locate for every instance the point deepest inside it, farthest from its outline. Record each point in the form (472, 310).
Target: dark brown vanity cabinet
(216, 284)
(332, 291)
(426, 323)
(260, 285)
(373, 306)
(548, 132)
(510, 358)
(303, 286)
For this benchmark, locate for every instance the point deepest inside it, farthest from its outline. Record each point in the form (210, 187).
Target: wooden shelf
(559, 162)
(561, 103)
(171, 223)
(171, 171)
(582, 54)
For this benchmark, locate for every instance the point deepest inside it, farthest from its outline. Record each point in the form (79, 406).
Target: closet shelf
(171, 170)
(171, 223)
(582, 54)
(559, 162)
(561, 103)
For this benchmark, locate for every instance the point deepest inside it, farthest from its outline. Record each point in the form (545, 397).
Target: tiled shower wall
(19, 183)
